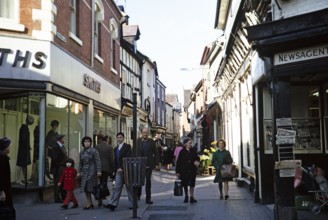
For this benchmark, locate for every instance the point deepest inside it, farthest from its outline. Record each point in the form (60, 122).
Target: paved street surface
(240, 205)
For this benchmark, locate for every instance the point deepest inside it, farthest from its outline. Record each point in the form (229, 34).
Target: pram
(319, 187)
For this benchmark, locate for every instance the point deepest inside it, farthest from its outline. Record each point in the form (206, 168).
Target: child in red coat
(68, 177)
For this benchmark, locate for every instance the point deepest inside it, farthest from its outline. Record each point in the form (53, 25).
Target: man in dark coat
(146, 147)
(121, 151)
(50, 143)
(59, 160)
(106, 155)
(5, 182)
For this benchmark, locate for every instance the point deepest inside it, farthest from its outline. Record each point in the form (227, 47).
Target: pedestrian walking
(186, 169)
(6, 199)
(167, 157)
(89, 169)
(59, 158)
(221, 156)
(159, 147)
(146, 147)
(177, 150)
(122, 150)
(106, 155)
(68, 179)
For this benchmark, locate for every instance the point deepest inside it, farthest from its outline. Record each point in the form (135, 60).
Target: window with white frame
(73, 17)
(113, 35)
(9, 15)
(99, 17)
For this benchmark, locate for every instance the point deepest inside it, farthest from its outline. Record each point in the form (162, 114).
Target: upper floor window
(98, 18)
(9, 15)
(73, 17)
(113, 46)
(74, 32)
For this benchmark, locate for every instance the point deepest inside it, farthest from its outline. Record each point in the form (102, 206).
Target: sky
(174, 33)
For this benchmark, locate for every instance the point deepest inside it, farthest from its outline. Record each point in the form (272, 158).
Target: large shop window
(326, 116)
(72, 122)
(306, 118)
(104, 123)
(26, 120)
(20, 122)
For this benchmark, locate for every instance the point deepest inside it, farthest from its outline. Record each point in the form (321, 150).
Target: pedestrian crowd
(97, 163)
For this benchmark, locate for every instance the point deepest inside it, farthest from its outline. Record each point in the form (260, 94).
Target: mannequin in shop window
(24, 147)
(36, 150)
(50, 143)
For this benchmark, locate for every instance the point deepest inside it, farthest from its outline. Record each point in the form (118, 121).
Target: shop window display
(20, 120)
(26, 120)
(71, 116)
(305, 119)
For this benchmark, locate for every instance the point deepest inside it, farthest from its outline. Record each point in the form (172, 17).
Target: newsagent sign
(299, 55)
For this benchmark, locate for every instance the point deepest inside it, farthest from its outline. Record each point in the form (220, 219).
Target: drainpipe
(241, 152)
(92, 31)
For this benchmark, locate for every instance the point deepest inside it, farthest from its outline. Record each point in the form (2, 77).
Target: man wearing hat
(59, 158)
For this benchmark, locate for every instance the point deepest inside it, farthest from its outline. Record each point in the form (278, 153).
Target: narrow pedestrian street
(166, 205)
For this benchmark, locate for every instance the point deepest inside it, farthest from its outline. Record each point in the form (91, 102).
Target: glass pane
(77, 122)
(267, 119)
(7, 9)
(308, 106)
(307, 134)
(56, 110)
(104, 124)
(20, 117)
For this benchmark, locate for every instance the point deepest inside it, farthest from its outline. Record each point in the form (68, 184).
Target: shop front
(41, 83)
(291, 94)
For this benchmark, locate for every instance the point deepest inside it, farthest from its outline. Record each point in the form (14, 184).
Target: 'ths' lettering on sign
(38, 61)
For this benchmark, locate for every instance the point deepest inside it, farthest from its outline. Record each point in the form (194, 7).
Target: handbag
(7, 212)
(177, 188)
(100, 191)
(228, 171)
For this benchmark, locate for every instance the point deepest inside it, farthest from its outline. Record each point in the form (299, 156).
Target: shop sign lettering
(91, 83)
(301, 55)
(23, 60)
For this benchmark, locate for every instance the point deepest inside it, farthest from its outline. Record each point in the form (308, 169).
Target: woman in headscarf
(6, 199)
(89, 169)
(186, 169)
(221, 156)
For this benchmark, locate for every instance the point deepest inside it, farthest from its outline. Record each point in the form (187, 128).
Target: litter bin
(134, 171)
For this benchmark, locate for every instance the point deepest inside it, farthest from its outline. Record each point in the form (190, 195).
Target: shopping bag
(177, 188)
(228, 171)
(100, 191)
(7, 212)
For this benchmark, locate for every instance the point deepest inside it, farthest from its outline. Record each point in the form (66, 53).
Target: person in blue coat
(221, 156)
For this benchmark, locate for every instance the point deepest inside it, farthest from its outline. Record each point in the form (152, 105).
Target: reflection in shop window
(104, 123)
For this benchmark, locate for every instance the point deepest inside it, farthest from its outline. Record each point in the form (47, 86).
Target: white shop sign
(299, 55)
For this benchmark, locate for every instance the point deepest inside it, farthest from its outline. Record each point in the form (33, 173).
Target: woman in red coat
(68, 177)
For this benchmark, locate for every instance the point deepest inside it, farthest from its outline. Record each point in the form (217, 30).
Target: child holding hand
(68, 177)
